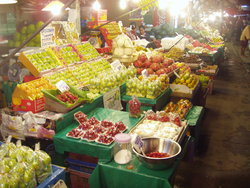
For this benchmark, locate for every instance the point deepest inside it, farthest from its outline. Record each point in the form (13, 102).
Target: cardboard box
(30, 105)
(183, 90)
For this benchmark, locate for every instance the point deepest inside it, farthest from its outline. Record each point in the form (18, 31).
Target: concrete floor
(223, 159)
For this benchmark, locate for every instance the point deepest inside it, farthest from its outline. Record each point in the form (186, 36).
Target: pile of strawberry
(94, 130)
(67, 97)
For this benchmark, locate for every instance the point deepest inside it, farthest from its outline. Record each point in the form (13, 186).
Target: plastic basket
(58, 173)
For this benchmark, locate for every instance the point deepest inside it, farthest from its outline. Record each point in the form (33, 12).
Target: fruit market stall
(77, 145)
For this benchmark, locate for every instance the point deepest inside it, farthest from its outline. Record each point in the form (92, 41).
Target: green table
(68, 119)
(103, 152)
(195, 115)
(194, 119)
(155, 104)
(112, 175)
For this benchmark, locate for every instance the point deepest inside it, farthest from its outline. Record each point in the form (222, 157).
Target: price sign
(62, 86)
(145, 73)
(112, 99)
(116, 65)
(139, 142)
(47, 36)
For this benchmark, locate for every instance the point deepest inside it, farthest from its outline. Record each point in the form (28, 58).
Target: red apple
(142, 57)
(161, 71)
(139, 70)
(157, 58)
(138, 64)
(155, 66)
(150, 71)
(147, 63)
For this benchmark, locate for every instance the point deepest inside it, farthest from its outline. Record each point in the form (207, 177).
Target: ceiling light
(8, 2)
(54, 7)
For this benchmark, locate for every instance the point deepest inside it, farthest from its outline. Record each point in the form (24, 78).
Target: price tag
(62, 86)
(139, 142)
(145, 73)
(116, 65)
(120, 26)
(40, 121)
(19, 143)
(9, 139)
(37, 146)
(176, 74)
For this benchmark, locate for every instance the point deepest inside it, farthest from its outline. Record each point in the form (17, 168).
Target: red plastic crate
(34, 106)
(78, 179)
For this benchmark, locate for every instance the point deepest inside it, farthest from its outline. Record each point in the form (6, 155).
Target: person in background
(244, 38)
(143, 34)
(131, 32)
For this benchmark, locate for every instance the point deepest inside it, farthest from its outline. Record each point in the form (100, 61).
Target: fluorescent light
(8, 1)
(54, 7)
(123, 4)
(96, 5)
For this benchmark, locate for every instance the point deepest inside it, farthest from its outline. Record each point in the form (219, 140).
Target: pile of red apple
(156, 64)
(94, 130)
(67, 97)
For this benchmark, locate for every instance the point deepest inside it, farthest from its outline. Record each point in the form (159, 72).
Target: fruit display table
(155, 104)
(112, 175)
(67, 118)
(213, 58)
(65, 144)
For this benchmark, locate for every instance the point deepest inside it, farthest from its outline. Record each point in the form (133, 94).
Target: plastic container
(122, 148)
(58, 173)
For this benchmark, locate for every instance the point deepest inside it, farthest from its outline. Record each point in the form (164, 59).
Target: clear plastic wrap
(134, 107)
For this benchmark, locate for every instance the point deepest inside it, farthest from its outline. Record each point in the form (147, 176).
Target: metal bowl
(161, 145)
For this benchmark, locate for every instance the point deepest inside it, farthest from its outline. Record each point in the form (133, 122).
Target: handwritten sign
(112, 99)
(62, 86)
(47, 35)
(116, 65)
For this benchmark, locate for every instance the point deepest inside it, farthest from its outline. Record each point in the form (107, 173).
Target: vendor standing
(244, 38)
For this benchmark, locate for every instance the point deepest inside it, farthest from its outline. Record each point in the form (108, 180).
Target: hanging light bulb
(54, 7)
(136, 1)
(8, 2)
(96, 6)
(123, 4)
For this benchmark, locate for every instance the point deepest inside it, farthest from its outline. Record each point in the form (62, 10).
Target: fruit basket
(41, 61)
(66, 54)
(183, 90)
(63, 102)
(147, 128)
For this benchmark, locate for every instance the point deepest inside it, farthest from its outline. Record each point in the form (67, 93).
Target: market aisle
(224, 152)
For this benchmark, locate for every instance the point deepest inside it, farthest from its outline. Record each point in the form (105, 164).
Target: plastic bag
(44, 165)
(134, 107)
(12, 125)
